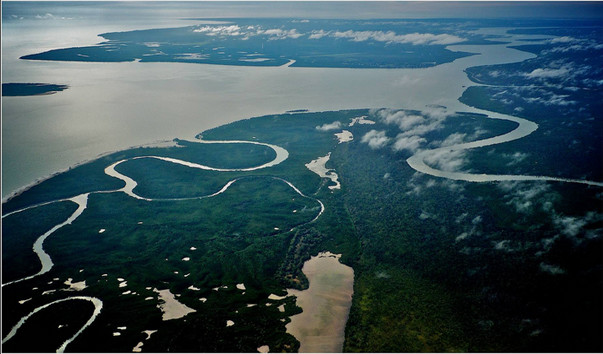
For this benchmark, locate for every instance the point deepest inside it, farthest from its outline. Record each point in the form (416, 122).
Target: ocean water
(113, 106)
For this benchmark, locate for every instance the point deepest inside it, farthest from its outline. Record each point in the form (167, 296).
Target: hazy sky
(312, 9)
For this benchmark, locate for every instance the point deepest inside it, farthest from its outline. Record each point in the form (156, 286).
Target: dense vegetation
(18, 89)
(439, 265)
(273, 42)
(560, 89)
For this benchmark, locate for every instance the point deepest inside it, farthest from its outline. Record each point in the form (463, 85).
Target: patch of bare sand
(171, 308)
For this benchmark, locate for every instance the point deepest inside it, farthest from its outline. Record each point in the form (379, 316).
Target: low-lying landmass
(31, 89)
(226, 243)
(476, 230)
(278, 42)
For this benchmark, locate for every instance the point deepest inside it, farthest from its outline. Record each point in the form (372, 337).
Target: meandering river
(45, 134)
(130, 184)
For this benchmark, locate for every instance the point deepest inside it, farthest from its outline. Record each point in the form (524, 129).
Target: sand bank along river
(320, 328)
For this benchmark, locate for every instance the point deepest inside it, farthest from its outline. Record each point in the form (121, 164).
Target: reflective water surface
(112, 106)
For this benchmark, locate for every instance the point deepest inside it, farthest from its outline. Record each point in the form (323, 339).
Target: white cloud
(446, 160)
(437, 112)
(392, 37)
(424, 215)
(474, 226)
(547, 243)
(47, 15)
(453, 139)
(423, 129)
(410, 143)
(523, 195)
(235, 30)
(414, 124)
(318, 34)
(553, 99)
(552, 269)
(401, 118)
(461, 237)
(453, 186)
(547, 73)
(515, 158)
(461, 217)
(564, 39)
(503, 246)
(570, 226)
(375, 139)
(573, 44)
(277, 33)
(336, 125)
(571, 48)
(232, 30)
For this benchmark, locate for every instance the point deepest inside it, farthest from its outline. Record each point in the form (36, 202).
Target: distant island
(31, 89)
(277, 42)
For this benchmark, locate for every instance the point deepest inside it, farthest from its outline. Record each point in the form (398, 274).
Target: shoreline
(197, 138)
(16, 192)
(320, 327)
(25, 188)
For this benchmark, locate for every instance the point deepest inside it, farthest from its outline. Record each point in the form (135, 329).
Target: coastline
(25, 188)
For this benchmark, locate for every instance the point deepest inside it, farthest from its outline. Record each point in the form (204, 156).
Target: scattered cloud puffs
(524, 196)
(248, 31)
(446, 160)
(547, 73)
(410, 143)
(571, 226)
(336, 125)
(515, 158)
(551, 269)
(392, 37)
(375, 139)
(355, 36)
(319, 34)
(402, 119)
(564, 39)
(413, 124)
(232, 30)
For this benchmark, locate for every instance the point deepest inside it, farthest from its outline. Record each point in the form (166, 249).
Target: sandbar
(318, 166)
(171, 308)
(344, 136)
